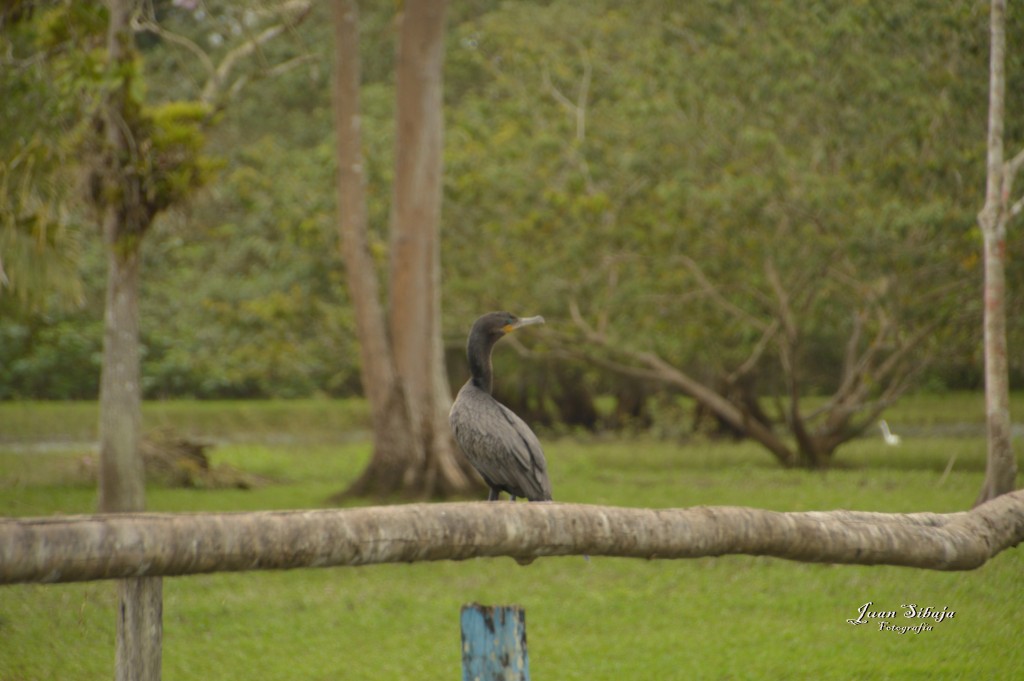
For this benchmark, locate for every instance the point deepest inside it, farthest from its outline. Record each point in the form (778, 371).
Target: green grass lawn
(734, 617)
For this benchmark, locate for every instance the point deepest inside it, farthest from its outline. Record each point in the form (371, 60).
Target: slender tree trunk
(416, 245)
(122, 478)
(402, 371)
(416, 201)
(392, 434)
(1001, 467)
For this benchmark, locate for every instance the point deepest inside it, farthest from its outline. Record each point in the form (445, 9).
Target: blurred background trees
(740, 191)
(766, 199)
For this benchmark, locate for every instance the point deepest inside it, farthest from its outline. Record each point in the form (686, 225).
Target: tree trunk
(415, 312)
(1001, 467)
(402, 371)
(121, 478)
(392, 435)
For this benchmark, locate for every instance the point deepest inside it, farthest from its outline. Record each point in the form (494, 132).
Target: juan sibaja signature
(888, 620)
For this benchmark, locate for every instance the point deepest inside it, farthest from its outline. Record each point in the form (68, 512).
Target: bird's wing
(501, 446)
(531, 455)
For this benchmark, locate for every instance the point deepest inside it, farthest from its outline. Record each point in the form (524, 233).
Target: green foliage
(56, 140)
(39, 243)
(173, 163)
(67, 24)
(162, 163)
(253, 307)
(592, 165)
(243, 294)
(59, 358)
(40, 237)
(844, 143)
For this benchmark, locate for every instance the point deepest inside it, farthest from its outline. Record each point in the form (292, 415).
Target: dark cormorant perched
(498, 443)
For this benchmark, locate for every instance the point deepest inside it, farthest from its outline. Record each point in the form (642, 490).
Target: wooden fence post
(494, 643)
(139, 629)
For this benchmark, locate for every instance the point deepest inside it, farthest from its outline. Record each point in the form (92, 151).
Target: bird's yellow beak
(525, 321)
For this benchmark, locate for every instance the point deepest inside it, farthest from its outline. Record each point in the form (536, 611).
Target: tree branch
(1010, 170)
(213, 92)
(83, 548)
(1013, 166)
(140, 24)
(712, 291)
(295, 12)
(578, 108)
(651, 366)
(755, 355)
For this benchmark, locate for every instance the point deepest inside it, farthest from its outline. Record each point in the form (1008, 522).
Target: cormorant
(498, 443)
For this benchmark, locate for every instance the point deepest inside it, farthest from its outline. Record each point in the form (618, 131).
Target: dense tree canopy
(720, 139)
(658, 167)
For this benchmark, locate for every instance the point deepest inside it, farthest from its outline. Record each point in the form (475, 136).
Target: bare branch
(889, 367)
(581, 98)
(610, 364)
(650, 366)
(578, 320)
(755, 356)
(145, 24)
(785, 311)
(545, 77)
(852, 396)
(1017, 206)
(712, 291)
(850, 355)
(1013, 166)
(578, 108)
(856, 368)
(787, 355)
(1010, 170)
(293, 13)
(293, 63)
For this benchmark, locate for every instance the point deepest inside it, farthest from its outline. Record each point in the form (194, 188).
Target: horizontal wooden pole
(81, 548)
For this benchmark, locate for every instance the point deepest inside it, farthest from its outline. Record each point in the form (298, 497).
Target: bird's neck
(479, 352)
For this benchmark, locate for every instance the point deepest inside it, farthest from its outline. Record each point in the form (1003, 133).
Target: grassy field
(718, 618)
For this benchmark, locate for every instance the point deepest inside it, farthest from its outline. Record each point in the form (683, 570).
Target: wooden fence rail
(80, 548)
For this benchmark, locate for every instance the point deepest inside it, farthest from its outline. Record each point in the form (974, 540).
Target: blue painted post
(494, 643)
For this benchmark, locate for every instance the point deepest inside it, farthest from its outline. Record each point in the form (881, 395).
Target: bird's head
(494, 325)
(488, 330)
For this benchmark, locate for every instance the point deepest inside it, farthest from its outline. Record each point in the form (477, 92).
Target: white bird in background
(890, 438)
